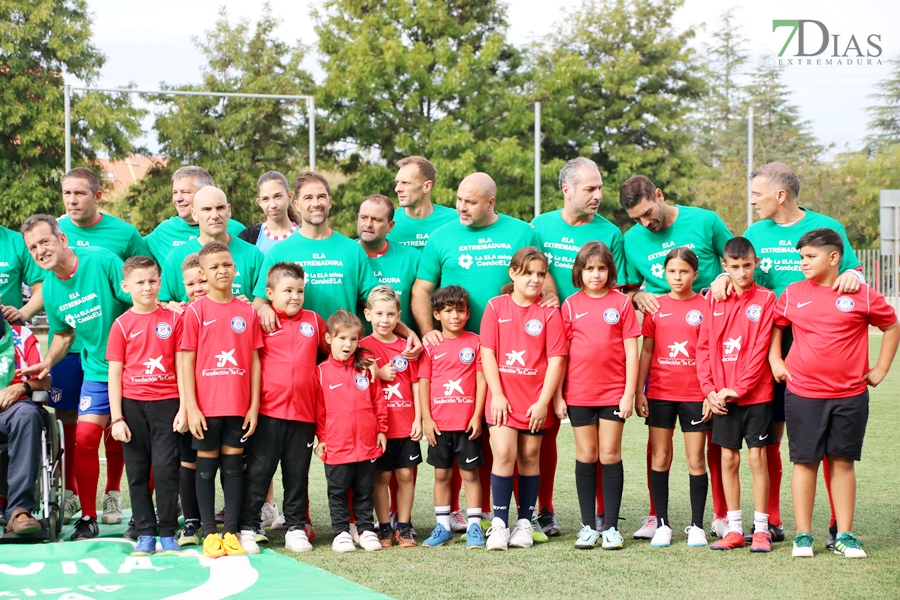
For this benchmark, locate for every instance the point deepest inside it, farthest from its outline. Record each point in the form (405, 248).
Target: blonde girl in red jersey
(598, 395)
(522, 355)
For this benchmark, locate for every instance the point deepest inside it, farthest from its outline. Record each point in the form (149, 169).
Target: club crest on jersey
(238, 325)
(845, 304)
(611, 316)
(399, 363)
(694, 318)
(361, 381)
(754, 312)
(533, 327)
(467, 355)
(306, 329)
(84, 403)
(163, 331)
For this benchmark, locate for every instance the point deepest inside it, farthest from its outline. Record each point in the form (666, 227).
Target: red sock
(484, 472)
(392, 490)
(152, 484)
(69, 457)
(516, 483)
(549, 458)
(308, 518)
(652, 511)
(115, 464)
(455, 487)
(773, 464)
(350, 504)
(87, 465)
(827, 473)
(600, 504)
(714, 462)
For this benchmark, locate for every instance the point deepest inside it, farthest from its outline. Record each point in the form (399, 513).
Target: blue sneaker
(169, 545)
(441, 536)
(146, 545)
(474, 536)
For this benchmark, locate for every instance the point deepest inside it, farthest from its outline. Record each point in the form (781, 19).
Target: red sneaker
(732, 540)
(762, 542)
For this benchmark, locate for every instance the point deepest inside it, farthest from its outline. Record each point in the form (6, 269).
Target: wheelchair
(48, 492)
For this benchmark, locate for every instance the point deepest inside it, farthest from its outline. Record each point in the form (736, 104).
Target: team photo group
(209, 353)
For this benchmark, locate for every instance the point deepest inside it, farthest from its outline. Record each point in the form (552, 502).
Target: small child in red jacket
(351, 425)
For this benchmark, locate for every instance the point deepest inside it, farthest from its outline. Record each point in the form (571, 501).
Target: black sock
(188, 490)
(232, 489)
(501, 492)
(206, 492)
(659, 487)
(699, 485)
(613, 482)
(586, 486)
(529, 485)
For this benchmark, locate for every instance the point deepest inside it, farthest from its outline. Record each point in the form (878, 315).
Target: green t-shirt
(475, 258)
(337, 272)
(779, 260)
(89, 302)
(247, 258)
(415, 232)
(117, 236)
(174, 232)
(699, 229)
(561, 242)
(16, 268)
(397, 268)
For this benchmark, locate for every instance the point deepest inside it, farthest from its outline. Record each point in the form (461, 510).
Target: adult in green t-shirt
(418, 215)
(563, 232)
(84, 224)
(392, 264)
(16, 268)
(210, 209)
(178, 230)
(660, 228)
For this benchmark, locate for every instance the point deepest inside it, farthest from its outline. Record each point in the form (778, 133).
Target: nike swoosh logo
(414, 457)
(437, 356)
(802, 304)
(762, 437)
(617, 413)
(718, 314)
(504, 320)
(276, 332)
(134, 335)
(578, 316)
(205, 323)
(661, 315)
(309, 444)
(331, 387)
(693, 422)
(471, 460)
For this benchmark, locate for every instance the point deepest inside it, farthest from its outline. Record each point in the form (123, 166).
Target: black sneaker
(191, 534)
(131, 533)
(549, 524)
(776, 532)
(385, 536)
(86, 528)
(832, 537)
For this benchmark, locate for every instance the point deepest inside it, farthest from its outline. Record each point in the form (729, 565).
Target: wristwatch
(28, 391)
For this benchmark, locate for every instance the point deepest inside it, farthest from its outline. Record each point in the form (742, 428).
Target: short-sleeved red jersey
(674, 329)
(146, 344)
(452, 367)
(824, 320)
(26, 349)
(224, 337)
(596, 329)
(398, 394)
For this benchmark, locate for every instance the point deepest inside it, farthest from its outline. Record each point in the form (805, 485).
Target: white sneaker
(278, 523)
(343, 543)
(72, 506)
(112, 508)
(497, 535)
(662, 538)
(267, 514)
(368, 540)
(458, 523)
(248, 541)
(647, 530)
(354, 533)
(521, 535)
(295, 540)
(696, 536)
(719, 528)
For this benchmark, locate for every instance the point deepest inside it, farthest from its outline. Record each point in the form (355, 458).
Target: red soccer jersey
(823, 320)
(596, 329)
(288, 367)
(26, 349)
(522, 338)
(733, 348)
(224, 337)
(398, 394)
(146, 344)
(452, 368)
(674, 329)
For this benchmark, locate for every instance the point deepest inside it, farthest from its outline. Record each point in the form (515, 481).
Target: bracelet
(119, 420)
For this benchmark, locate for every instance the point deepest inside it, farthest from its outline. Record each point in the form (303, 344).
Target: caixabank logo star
(812, 43)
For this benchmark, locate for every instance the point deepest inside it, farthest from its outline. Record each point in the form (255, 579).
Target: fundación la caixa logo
(817, 45)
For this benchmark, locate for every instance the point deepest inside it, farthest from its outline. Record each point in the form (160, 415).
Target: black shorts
(752, 423)
(401, 453)
(221, 431)
(817, 427)
(664, 412)
(186, 447)
(456, 444)
(579, 416)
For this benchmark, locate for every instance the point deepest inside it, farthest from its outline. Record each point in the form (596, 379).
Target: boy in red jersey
(287, 410)
(452, 413)
(145, 402)
(221, 385)
(737, 382)
(826, 402)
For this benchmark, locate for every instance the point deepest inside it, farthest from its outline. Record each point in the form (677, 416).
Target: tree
(235, 139)
(40, 42)
(885, 116)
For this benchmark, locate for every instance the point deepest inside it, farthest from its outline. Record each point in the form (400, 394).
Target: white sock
(735, 521)
(760, 522)
(443, 516)
(474, 515)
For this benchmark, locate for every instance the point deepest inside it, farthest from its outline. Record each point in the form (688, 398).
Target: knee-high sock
(115, 464)
(455, 488)
(484, 472)
(71, 483)
(233, 489)
(549, 459)
(599, 491)
(87, 465)
(206, 492)
(652, 511)
(714, 462)
(188, 489)
(613, 483)
(502, 488)
(659, 491)
(774, 466)
(586, 487)
(699, 487)
(152, 481)
(826, 472)
(529, 485)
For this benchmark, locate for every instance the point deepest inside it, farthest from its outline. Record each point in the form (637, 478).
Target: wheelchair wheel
(54, 524)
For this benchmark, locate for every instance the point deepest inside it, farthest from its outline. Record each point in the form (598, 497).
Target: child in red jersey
(737, 383)
(452, 411)
(351, 425)
(221, 373)
(522, 353)
(287, 410)
(668, 369)
(826, 402)
(195, 283)
(598, 395)
(400, 379)
(145, 403)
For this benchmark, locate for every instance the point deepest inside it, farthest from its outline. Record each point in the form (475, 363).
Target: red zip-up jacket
(733, 347)
(288, 361)
(351, 412)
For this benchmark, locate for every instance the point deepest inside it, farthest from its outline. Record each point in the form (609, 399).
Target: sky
(148, 43)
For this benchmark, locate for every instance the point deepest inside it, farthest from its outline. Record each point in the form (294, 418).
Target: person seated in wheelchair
(20, 427)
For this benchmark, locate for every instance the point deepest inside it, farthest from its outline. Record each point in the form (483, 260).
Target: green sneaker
(537, 536)
(849, 545)
(485, 524)
(190, 534)
(803, 545)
